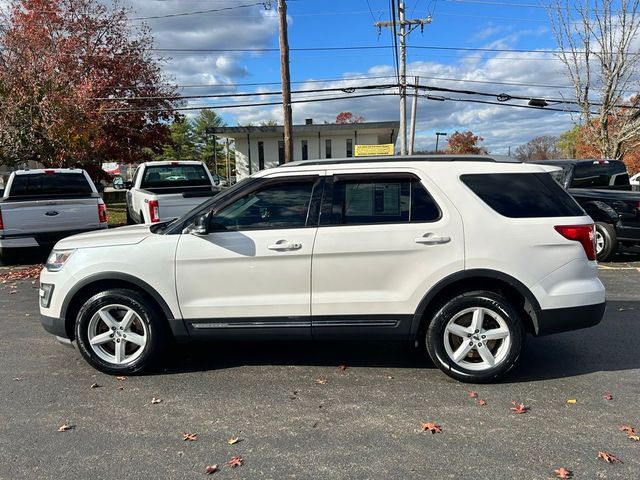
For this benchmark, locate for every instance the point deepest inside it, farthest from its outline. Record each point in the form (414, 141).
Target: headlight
(57, 259)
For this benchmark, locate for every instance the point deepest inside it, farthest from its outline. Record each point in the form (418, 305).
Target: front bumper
(566, 319)
(54, 325)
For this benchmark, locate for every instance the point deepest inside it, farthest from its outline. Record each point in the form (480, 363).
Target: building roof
(326, 128)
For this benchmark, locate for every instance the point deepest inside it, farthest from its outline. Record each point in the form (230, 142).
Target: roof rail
(409, 158)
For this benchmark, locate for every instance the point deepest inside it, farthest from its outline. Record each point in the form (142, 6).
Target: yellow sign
(373, 150)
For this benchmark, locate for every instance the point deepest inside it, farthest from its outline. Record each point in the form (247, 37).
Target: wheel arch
(476, 279)
(93, 284)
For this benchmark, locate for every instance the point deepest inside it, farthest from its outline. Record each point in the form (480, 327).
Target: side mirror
(200, 226)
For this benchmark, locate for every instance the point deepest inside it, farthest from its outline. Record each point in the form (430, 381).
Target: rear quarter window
(523, 195)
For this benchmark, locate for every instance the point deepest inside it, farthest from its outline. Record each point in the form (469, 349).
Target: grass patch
(117, 213)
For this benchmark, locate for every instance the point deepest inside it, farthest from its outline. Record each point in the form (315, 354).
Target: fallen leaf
(21, 273)
(121, 387)
(628, 429)
(95, 385)
(482, 403)
(121, 379)
(342, 368)
(66, 428)
(608, 457)
(211, 469)
(472, 395)
(233, 440)
(155, 401)
(608, 396)
(635, 438)
(321, 381)
(191, 437)
(572, 401)
(234, 462)
(519, 407)
(431, 427)
(389, 377)
(563, 473)
(17, 379)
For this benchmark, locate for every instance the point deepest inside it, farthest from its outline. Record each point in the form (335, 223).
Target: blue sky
(468, 24)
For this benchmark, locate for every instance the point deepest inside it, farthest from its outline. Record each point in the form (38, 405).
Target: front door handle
(430, 239)
(284, 245)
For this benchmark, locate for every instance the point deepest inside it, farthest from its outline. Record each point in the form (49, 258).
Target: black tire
(130, 220)
(155, 331)
(507, 352)
(607, 233)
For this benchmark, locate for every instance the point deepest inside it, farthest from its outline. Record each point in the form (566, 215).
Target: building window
(280, 152)
(349, 147)
(260, 155)
(305, 150)
(327, 148)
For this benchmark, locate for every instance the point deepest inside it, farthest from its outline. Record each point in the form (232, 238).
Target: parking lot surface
(298, 415)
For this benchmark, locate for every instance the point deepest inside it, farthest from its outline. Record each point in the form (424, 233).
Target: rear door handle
(430, 239)
(284, 245)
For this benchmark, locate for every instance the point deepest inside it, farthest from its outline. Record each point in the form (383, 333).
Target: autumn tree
(538, 148)
(463, 143)
(597, 43)
(79, 85)
(348, 117)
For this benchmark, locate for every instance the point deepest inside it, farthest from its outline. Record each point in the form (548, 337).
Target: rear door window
(599, 173)
(372, 199)
(50, 184)
(523, 195)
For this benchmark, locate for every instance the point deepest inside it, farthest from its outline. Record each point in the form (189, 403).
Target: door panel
(253, 270)
(381, 271)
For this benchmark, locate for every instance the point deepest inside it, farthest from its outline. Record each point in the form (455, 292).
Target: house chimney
(308, 121)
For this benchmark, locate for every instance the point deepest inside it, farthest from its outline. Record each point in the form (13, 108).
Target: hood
(106, 238)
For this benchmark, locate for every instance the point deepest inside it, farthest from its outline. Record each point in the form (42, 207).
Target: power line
(266, 5)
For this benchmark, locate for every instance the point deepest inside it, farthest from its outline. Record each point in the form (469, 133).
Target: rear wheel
(120, 331)
(606, 241)
(130, 220)
(476, 337)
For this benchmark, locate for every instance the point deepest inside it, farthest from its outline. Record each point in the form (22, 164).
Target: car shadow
(25, 256)
(608, 346)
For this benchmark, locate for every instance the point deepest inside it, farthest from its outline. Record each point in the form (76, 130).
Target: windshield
(50, 184)
(178, 175)
(177, 224)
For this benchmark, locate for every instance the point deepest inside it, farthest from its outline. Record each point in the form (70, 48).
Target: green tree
(210, 147)
(568, 141)
(182, 144)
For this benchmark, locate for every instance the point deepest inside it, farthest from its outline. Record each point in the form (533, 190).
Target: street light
(438, 135)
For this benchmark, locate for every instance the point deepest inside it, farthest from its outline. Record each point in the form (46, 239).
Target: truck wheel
(606, 241)
(119, 332)
(476, 337)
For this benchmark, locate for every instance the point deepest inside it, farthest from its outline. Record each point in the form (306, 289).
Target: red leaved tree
(464, 142)
(348, 117)
(68, 72)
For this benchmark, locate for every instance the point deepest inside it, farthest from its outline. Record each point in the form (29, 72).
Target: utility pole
(286, 81)
(414, 107)
(406, 27)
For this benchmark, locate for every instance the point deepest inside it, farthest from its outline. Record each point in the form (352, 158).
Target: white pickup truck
(162, 191)
(39, 207)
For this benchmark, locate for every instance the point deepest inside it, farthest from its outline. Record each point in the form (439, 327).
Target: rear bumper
(47, 239)
(54, 326)
(570, 318)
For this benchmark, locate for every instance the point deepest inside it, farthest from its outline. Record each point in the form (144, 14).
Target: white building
(258, 148)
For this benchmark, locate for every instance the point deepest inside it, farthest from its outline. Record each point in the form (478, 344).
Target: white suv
(463, 254)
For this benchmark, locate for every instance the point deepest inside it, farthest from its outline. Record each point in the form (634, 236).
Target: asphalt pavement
(297, 415)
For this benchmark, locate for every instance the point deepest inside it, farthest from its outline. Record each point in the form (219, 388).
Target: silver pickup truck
(39, 207)
(162, 191)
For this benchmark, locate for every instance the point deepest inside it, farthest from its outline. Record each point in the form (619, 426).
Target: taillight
(49, 172)
(1, 224)
(585, 234)
(154, 211)
(102, 213)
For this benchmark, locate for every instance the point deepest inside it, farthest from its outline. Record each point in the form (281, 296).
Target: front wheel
(476, 337)
(120, 331)
(606, 241)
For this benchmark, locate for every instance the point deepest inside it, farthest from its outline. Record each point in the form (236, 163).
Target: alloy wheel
(477, 339)
(117, 334)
